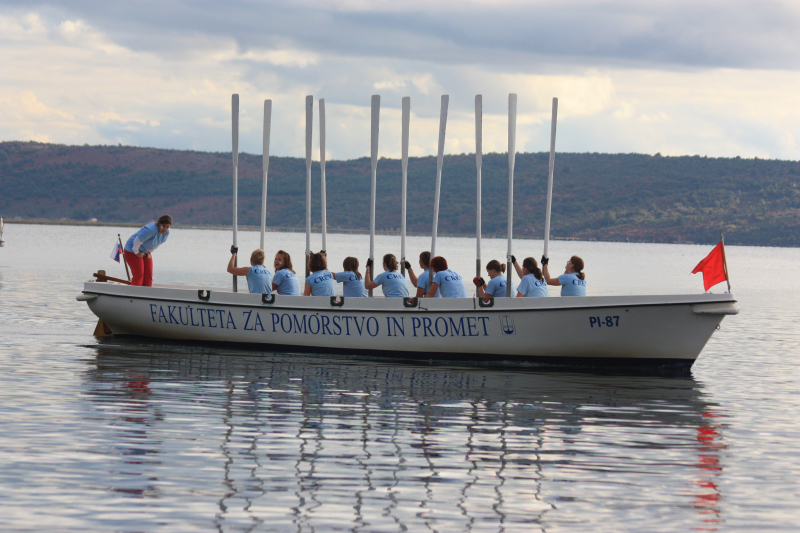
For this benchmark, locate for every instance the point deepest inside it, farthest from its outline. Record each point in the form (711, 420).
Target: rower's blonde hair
(257, 257)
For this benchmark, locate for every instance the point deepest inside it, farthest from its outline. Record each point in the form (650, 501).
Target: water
(129, 435)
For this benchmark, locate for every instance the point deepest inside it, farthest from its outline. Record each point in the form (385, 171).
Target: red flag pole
(724, 260)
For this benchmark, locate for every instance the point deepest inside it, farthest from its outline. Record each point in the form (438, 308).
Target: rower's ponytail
(577, 263)
(533, 268)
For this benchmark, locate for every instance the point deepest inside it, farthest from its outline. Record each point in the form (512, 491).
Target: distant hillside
(596, 196)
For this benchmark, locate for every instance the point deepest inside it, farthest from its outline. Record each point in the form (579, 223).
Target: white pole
(512, 152)
(442, 128)
(478, 163)
(265, 159)
(404, 151)
(322, 174)
(550, 176)
(376, 112)
(309, 126)
(235, 156)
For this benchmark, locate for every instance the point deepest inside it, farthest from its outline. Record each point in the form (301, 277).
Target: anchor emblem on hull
(507, 325)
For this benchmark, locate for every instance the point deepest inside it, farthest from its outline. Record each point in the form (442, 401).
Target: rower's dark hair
(317, 262)
(577, 262)
(164, 219)
(390, 261)
(533, 267)
(494, 264)
(439, 263)
(287, 260)
(350, 264)
(425, 257)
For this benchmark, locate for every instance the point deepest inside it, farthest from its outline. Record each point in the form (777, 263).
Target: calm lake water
(133, 435)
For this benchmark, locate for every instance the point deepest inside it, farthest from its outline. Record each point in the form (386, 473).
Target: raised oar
(235, 155)
(265, 159)
(404, 151)
(550, 177)
(309, 126)
(439, 160)
(322, 174)
(376, 112)
(512, 152)
(478, 163)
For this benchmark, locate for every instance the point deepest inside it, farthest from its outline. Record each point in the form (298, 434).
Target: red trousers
(141, 269)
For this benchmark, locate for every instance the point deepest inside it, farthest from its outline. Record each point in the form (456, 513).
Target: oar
(265, 159)
(550, 177)
(235, 155)
(322, 173)
(376, 112)
(512, 152)
(478, 163)
(309, 126)
(119, 238)
(404, 151)
(439, 160)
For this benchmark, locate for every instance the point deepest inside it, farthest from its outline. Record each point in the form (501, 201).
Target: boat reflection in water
(295, 442)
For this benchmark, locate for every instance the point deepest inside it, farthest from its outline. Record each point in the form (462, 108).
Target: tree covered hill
(596, 196)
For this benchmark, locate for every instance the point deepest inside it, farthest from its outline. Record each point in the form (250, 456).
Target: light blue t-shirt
(422, 281)
(497, 287)
(451, 284)
(287, 283)
(321, 283)
(146, 239)
(259, 280)
(393, 284)
(571, 285)
(530, 286)
(353, 287)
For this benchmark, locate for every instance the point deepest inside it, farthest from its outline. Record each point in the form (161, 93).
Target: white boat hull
(638, 330)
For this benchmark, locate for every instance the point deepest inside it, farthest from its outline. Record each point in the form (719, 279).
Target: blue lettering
(415, 323)
(336, 325)
(484, 319)
(326, 325)
(457, 331)
(315, 317)
(297, 327)
(355, 319)
(426, 326)
(247, 321)
(162, 315)
(211, 319)
(221, 313)
(436, 326)
(170, 310)
(471, 325)
(347, 324)
(153, 311)
(283, 324)
(592, 321)
(230, 321)
(191, 316)
(258, 322)
(180, 316)
(397, 325)
(275, 320)
(369, 330)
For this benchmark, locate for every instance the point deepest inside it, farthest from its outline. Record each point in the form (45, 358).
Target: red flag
(712, 267)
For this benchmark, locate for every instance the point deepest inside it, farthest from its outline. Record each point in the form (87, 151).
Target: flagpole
(123, 256)
(725, 261)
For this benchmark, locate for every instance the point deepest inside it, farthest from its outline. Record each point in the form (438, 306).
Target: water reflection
(296, 442)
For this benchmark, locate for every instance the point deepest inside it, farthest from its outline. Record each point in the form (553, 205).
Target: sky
(715, 78)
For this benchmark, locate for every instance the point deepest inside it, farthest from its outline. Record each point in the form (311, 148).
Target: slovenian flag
(116, 252)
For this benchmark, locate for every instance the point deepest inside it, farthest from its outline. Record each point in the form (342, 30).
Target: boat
(640, 331)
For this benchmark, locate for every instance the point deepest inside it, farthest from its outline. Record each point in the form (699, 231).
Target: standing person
(285, 280)
(532, 282)
(572, 281)
(351, 279)
(444, 279)
(393, 284)
(421, 282)
(320, 282)
(497, 282)
(259, 278)
(140, 247)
